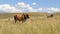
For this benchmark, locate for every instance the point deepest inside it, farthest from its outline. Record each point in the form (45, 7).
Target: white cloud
(21, 4)
(52, 10)
(33, 3)
(7, 8)
(22, 7)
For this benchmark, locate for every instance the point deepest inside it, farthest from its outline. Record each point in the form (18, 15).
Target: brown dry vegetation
(36, 24)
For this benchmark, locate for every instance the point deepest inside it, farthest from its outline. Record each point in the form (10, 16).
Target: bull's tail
(15, 19)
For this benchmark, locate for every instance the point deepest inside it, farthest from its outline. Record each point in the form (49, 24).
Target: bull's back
(19, 16)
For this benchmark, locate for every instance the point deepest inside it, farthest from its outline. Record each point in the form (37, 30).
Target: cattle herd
(23, 17)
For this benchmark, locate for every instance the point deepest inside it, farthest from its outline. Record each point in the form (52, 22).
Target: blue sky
(40, 3)
(30, 5)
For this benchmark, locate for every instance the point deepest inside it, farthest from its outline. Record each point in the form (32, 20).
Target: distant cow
(50, 16)
(21, 17)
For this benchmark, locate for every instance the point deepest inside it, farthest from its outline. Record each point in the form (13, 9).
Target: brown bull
(21, 17)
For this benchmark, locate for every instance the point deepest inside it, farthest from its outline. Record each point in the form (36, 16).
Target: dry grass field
(36, 24)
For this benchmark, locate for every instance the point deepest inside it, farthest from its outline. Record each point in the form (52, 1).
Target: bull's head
(27, 15)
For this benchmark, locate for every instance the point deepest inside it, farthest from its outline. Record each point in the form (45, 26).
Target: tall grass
(34, 25)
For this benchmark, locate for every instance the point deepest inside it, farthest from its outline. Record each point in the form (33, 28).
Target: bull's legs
(23, 21)
(15, 21)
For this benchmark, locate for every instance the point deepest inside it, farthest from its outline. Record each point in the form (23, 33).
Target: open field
(36, 24)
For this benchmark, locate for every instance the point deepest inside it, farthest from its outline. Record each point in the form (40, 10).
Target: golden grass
(36, 24)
